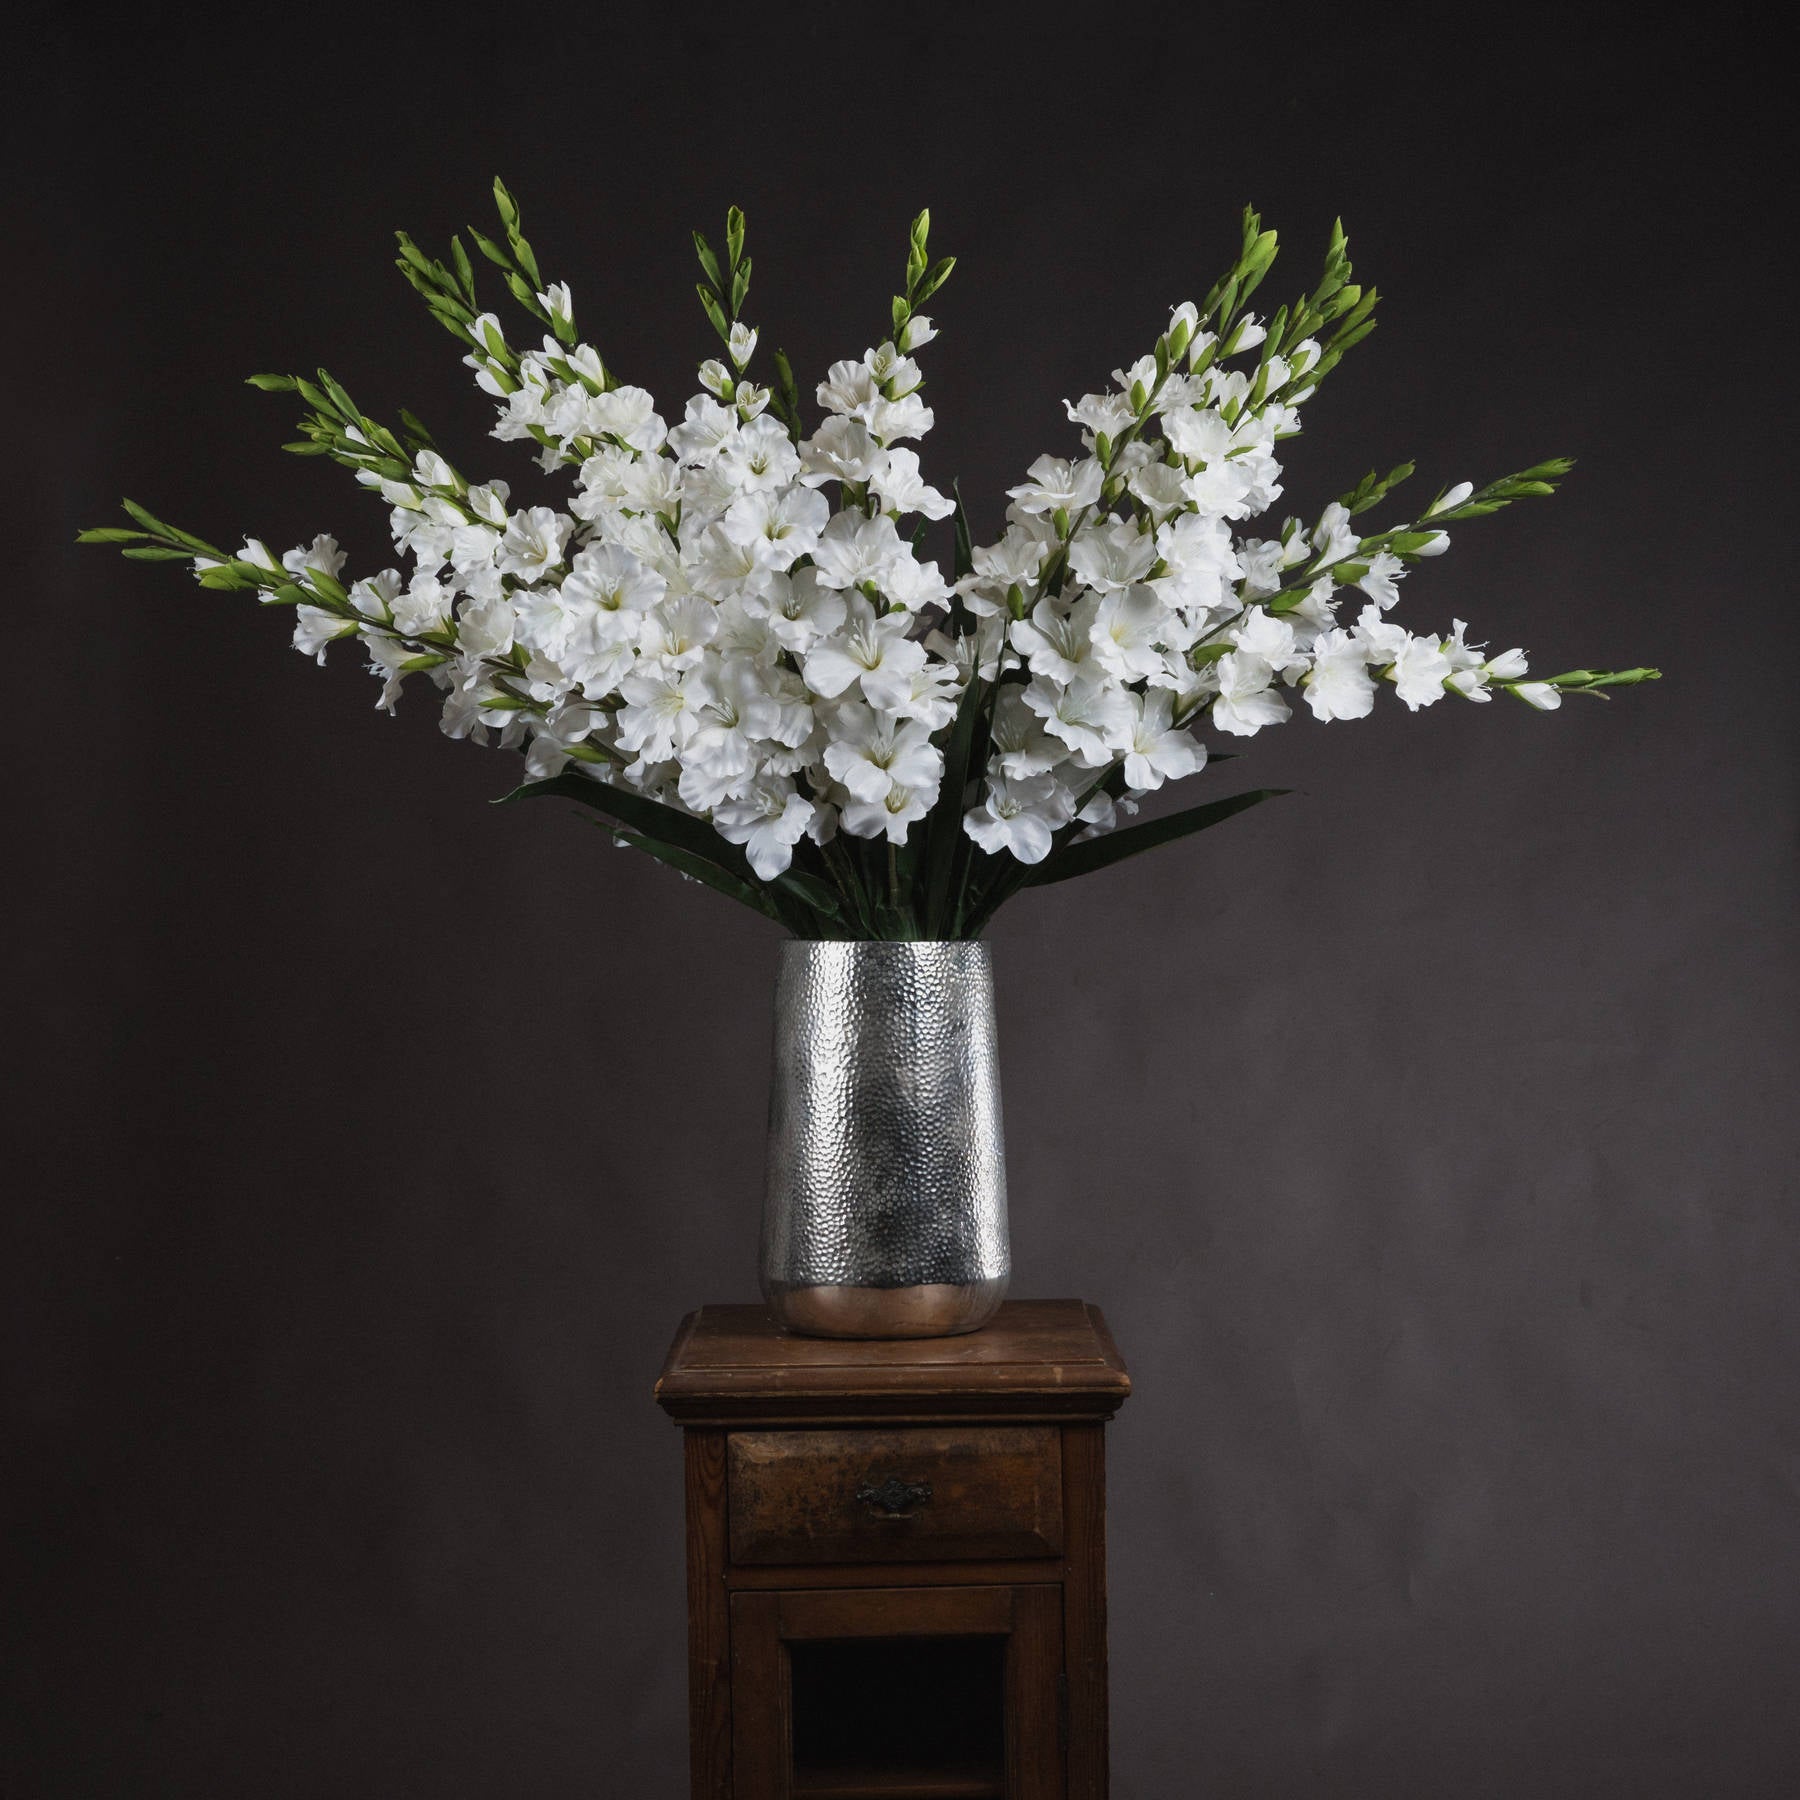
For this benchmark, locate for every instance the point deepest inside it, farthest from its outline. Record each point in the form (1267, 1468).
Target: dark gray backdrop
(1427, 1137)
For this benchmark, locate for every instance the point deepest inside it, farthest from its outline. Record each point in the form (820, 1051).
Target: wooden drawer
(822, 1496)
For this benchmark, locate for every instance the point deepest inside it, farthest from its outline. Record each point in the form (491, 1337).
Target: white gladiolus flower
(851, 389)
(1056, 484)
(608, 578)
(873, 651)
(930, 696)
(1379, 580)
(1470, 671)
(1100, 414)
(905, 490)
(425, 606)
(759, 456)
(1155, 751)
(662, 710)
(1540, 694)
(484, 627)
(314, 628)
(323, 554)
(891, 420)
(704, 432)
(553, 736)
(1127, 626)
(780, 525)
(870, 752)
(533, 542)
(675, 633)
(1246, 700)
(801, 612)
(841, 450)
(1334, 537)
(1338, 685)
(768, 821)
(1113, 555)
(853, 550)
(374, 596)
(1021, 745)
(1091, 716)
(1269, 638)
(1057, 640)
(912, 585)
(1020, 817)
(891, 816)
(731, 623)
(1420, 671)
(627, 414)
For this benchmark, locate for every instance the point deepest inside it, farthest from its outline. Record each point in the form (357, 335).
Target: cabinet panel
(910, 1694)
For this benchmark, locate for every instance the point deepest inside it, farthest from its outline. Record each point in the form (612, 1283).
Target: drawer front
(895, 1496)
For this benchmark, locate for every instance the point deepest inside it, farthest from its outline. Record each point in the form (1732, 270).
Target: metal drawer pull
(894, 1498)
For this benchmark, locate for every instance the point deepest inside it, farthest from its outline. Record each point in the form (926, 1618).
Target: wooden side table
(896, 1557)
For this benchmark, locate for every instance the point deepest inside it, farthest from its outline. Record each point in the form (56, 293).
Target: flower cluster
(728, 634)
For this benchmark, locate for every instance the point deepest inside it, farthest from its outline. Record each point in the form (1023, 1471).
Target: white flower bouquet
(729, 643)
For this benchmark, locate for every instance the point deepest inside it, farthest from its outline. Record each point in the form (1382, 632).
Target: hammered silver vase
(884, 1214)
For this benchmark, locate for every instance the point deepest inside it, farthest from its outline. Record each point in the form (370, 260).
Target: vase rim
(905, 944)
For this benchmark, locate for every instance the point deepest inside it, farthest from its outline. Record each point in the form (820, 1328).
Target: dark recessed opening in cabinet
(899, 1716)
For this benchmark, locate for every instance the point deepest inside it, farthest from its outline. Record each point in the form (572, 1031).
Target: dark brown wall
(1428, 1137)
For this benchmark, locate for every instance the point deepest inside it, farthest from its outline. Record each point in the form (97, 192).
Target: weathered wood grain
(992, 1491)
(1038, 1359)
(709, 1622)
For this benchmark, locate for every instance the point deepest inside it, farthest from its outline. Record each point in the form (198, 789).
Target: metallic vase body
(885, 1210)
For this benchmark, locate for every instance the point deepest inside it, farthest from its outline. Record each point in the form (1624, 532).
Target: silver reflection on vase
(884, 1213)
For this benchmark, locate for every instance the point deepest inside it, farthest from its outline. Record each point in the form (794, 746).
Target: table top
(1038, 1359)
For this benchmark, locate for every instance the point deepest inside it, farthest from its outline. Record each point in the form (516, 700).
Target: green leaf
(740, 286)
(523, 256)
(504, 201)
(1552, 470)
(524, 292)
(708, 262)
(963, 560)
(146, 518)
(1100, 852)
(490, 249)
(412, 253)
(108, 534)
(699, 869)
(271, 384)
(720, 323)
(787, 397)
(465, 273)
(157, 553)
(811, 891)
(943, 831)
(327, 585)
(940, 273)
(734, 236)
(639, 813)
